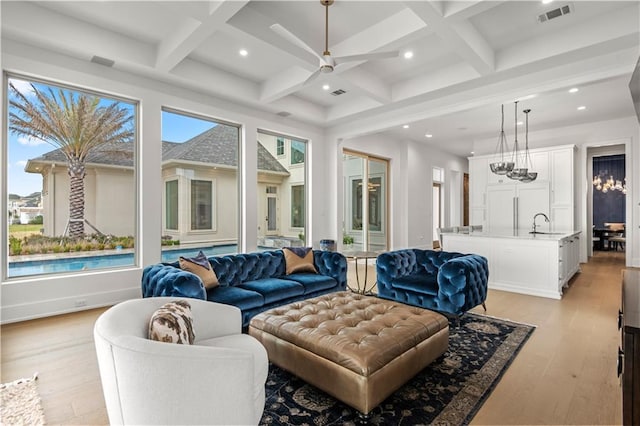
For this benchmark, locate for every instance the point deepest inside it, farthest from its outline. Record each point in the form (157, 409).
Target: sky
(175, 128)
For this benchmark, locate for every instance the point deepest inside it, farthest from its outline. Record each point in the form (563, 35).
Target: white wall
(46, 295)
(624, 131)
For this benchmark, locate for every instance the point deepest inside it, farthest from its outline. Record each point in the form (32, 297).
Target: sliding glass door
(365, 204)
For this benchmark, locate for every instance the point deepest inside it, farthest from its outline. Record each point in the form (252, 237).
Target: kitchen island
(538, 264)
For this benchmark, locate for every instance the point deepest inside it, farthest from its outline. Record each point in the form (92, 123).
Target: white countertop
(520, 234)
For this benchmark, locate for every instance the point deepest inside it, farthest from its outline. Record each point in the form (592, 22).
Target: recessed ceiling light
(408, 54)
(472, 152)
(546, 1)
(406, 126)
(520, 123)
(326, 87)
(428, 135)
(243, 52)
(582, 108)
(573, 90)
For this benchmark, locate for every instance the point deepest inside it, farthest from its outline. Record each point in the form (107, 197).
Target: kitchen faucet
(546, 219)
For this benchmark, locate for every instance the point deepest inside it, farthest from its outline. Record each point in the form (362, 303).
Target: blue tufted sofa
(253, 282)
(442, 281)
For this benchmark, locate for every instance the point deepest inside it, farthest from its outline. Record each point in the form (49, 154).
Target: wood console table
(629, 354)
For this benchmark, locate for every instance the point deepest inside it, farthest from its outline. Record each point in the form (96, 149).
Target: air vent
(555, 13)
(283, 113)
(102, 61)
(338, 92)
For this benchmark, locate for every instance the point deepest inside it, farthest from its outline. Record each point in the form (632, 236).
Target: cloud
(21, 163)
(30, 141)
(23, 87)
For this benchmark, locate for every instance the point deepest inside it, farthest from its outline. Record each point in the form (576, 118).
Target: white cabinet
(562, 189)
(539, 265)
(490, 207)
(514, 205)
(569, 259)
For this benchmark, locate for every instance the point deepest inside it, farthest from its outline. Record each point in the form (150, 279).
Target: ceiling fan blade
(366, 57)
(312, 76)
(291, 38)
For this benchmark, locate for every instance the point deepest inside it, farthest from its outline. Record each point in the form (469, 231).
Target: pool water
(85, 263)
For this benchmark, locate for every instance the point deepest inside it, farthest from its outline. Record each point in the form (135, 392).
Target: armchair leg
(484, 306)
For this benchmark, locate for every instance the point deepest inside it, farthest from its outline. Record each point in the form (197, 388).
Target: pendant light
(520, 167)
(501, 167)
(531, 176)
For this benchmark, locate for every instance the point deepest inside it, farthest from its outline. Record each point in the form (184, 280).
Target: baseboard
(77, 303)
(525, 290)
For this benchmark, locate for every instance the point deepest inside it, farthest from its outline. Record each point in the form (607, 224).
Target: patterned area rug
(20, 403)
(449, 391)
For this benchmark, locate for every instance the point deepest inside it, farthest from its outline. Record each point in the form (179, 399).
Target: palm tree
(75, 124)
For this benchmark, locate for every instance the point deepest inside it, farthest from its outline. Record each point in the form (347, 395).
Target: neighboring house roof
(218, 145)
(267, 162)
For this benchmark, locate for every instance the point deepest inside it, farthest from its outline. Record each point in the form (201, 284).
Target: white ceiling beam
(220, 83)
(380, 35)
(462, 37)
(71, 36)
(399, 26)
(459, 10)
(180, 42)
(253, 22)
(283, 84)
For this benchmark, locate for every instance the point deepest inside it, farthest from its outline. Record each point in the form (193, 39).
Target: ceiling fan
(327, 62)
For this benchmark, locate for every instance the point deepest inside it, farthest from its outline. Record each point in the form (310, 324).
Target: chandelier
(501, 167)
(521, 159)
(605, 184)
(520, 166)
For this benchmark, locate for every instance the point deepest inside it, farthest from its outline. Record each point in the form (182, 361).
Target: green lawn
(20, 231)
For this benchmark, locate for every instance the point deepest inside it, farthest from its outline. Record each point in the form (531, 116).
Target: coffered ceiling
(468, 58)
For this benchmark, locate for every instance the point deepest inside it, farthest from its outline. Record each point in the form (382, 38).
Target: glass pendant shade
(501, 167)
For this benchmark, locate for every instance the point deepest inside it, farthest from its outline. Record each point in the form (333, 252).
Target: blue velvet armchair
(442, 281)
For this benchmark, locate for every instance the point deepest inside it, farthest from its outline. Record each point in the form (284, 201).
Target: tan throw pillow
(172, 323)
(299, 259)
(200, 266)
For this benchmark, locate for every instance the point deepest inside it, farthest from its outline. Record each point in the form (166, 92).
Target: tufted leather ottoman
(357, 348)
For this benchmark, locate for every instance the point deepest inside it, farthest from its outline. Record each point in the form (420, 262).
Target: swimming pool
(104, 261)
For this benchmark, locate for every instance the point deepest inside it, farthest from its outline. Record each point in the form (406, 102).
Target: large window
(365, 197)
(281, 191)
(70, 154)
(200, 171)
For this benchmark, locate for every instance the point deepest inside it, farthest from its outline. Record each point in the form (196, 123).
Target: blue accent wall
(609, 206)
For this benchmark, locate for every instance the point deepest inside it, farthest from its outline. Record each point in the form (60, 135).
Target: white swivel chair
(220, 379)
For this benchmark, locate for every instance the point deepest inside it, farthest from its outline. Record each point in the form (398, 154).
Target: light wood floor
(565, 374)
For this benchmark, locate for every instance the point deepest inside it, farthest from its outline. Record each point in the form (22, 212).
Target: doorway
(606, 199)
(366, 202)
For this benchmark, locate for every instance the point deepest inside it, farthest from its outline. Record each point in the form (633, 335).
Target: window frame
(214, 206)
(303, 214)
(166, 204)
(280, 147)
(291, 150)
(136, 168)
